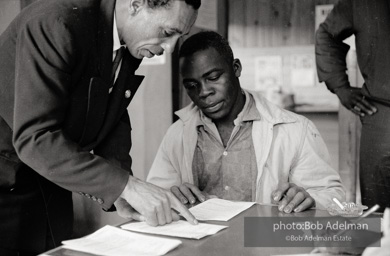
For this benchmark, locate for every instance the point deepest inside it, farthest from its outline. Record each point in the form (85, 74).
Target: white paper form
(219, 209)
(114, 241)
(176, 228)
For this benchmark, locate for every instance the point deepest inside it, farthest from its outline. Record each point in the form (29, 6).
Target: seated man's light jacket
(288, 148)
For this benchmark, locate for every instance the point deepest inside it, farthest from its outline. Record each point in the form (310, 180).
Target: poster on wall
(286, 70)
(302, 70)
(268, 73)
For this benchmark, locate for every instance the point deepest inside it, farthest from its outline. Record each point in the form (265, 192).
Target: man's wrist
(129, 185)
(337, 82)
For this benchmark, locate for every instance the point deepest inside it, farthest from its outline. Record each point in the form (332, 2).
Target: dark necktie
(117, 60)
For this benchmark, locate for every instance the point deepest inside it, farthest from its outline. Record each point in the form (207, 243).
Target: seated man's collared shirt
(227, 172)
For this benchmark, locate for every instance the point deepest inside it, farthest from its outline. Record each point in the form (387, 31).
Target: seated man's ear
(136, 5)
(237, 67)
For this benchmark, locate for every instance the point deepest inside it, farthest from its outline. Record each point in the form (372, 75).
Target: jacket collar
(268, 111)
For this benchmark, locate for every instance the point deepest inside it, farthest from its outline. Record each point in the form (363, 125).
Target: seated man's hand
(146, 202)
(289, 197)
(188, 193)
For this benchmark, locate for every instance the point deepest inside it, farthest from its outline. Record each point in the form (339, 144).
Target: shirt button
(227, 187)
(225, 153)
(127, 94)
(87, 195)
(100, 201)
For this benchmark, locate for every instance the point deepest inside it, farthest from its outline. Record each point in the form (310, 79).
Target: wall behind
(151, 114)
(271, 23)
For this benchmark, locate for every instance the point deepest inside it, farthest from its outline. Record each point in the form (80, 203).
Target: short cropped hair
(165, 3)
(205, 40)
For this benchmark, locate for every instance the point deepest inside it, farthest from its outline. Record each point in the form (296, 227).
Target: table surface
(229, 241)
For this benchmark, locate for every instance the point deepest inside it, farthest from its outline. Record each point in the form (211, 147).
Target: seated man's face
(212, 83)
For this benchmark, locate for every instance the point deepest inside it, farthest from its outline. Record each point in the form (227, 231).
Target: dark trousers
(35, 217)
(15, 252)
(375, 158)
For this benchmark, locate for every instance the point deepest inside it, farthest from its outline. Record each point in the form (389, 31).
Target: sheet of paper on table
(219, 209)
(114, 241)
(179, 228)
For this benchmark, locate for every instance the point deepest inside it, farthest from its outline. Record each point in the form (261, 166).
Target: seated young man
(235, 145)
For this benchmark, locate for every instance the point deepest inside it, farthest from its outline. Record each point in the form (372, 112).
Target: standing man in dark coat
(369, 21)
(64, 124)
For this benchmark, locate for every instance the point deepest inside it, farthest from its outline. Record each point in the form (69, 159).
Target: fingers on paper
(188, 193)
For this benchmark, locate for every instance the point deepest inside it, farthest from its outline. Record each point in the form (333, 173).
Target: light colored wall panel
(350, 132)
(151, 114)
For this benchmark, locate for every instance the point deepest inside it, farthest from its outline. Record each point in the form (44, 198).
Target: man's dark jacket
(60, 129)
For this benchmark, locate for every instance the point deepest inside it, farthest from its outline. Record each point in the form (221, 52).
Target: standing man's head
(210, 75)
(150, 27)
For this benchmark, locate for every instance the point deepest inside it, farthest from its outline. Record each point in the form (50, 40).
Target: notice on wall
(268, 72)
(302, 70)
(290, 70)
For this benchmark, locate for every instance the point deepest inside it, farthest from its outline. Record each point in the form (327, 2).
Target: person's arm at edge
(330, 50)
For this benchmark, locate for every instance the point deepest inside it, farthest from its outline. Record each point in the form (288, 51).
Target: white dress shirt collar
(116, 40)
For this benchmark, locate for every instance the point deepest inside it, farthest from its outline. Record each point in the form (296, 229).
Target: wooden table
(227, 242)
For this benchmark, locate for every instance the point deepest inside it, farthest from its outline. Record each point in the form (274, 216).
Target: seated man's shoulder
(274, 113)
(185, 116)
